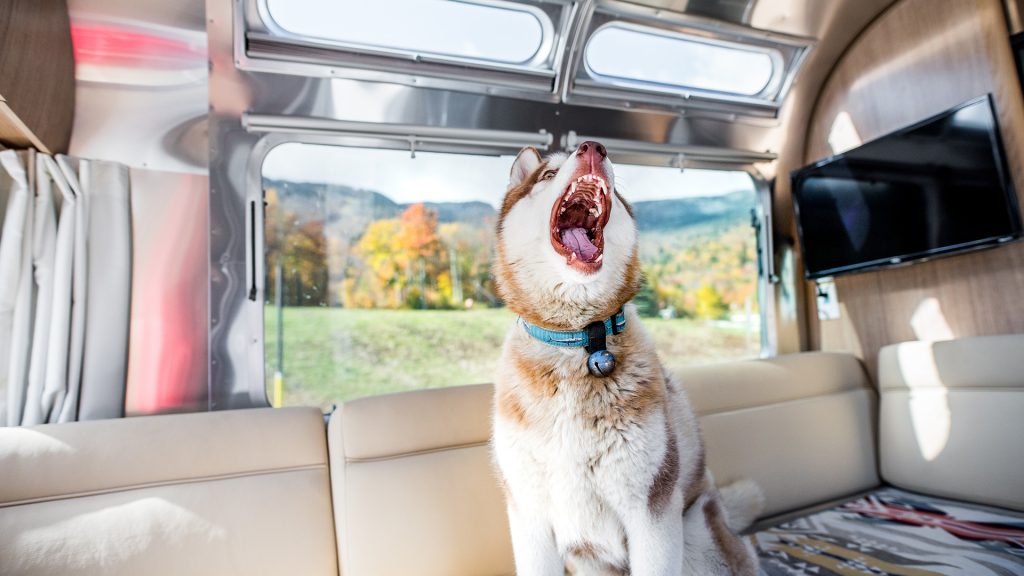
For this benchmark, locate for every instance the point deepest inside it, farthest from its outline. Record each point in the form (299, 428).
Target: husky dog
(598, 450)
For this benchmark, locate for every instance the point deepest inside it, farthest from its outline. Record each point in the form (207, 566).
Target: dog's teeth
(599, 258)
(573, 256)
(593, 211)
(562, 211)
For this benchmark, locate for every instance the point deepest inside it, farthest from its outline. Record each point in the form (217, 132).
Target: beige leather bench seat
(412, 471)
(239, 492)
(801, 425)
(952, 418)
(403, 484)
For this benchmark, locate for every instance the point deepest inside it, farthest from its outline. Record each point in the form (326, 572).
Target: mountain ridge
(333, 201)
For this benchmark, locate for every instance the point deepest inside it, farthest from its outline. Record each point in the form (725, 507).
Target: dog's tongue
(575, 239)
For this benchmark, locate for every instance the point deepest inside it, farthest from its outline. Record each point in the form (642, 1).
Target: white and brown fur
(603, 475)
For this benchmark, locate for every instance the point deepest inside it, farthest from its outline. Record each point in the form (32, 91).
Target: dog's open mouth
(577, 222)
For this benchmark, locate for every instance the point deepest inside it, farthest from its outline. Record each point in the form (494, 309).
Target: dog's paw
(743, 501)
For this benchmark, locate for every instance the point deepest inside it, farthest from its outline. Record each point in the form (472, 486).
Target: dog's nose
(591, 150)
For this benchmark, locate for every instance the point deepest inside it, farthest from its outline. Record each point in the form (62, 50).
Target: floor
(895, 532)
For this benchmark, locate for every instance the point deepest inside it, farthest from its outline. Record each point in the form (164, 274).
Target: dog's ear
(526, 162)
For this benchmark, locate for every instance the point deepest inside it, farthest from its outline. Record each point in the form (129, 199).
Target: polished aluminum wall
(141, 83)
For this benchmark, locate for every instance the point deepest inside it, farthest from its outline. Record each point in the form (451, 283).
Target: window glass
(492, 31)
(659, 58)
(378, 268)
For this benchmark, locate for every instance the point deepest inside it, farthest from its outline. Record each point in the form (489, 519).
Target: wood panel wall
(37, 74)
(919, 58)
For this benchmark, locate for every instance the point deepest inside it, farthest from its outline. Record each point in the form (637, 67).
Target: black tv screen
(937, 187)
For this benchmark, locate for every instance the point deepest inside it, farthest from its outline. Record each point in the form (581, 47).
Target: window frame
(585, 88)
(358, 135)
(642, 153)
(635, 153)
(262, 45)
(537, 60)
(769, 87)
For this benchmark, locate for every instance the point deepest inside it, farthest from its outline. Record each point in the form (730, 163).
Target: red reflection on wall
(110, 44)
(168, 351)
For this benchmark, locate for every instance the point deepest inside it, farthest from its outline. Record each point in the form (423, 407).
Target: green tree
(646, 300)
(470, 249)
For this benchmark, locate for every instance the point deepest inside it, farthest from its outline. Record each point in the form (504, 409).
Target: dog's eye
(548, 174)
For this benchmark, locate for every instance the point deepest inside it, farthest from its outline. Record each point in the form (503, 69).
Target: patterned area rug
(898, 533)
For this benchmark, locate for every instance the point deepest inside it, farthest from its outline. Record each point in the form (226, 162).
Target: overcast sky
(436, 177)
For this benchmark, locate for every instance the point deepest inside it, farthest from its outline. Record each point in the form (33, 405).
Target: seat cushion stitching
(158, 484)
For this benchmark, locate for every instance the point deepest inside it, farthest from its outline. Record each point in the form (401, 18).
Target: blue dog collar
(574, 338)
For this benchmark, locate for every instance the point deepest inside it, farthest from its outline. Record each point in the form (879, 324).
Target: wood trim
(1014, 15)
(15, 133)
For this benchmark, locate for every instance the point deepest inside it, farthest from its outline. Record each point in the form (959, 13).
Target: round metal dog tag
(601, 363)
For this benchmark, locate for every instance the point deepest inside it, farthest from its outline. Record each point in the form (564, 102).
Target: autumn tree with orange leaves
(400, 263)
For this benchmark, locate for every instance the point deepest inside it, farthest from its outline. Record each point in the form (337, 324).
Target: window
(698, 251)
(378, 268)
(491, 31)
(669, 60)
(637, 56)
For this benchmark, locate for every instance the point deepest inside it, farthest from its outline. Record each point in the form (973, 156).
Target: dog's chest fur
(579, 449)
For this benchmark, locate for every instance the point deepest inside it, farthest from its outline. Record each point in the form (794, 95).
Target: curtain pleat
(65, 289)
(76, 347)
(105, 363)
(44, 249)
(58, 347)
(14, 244)
(24, 301)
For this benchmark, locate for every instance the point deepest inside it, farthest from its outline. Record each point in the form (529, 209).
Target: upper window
(378, 268)
(491, 31)
(642, 57)
(664, 59)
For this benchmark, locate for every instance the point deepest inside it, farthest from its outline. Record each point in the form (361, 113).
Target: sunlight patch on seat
(25, 443)
(115, 534)
(929, 404)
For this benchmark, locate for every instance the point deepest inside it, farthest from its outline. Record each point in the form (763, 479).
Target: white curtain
(65, 286)
(15, 286)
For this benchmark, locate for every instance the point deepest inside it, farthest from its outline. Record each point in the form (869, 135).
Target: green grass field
(333, 354)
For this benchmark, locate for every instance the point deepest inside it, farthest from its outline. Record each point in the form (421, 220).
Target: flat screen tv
(937, 187)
